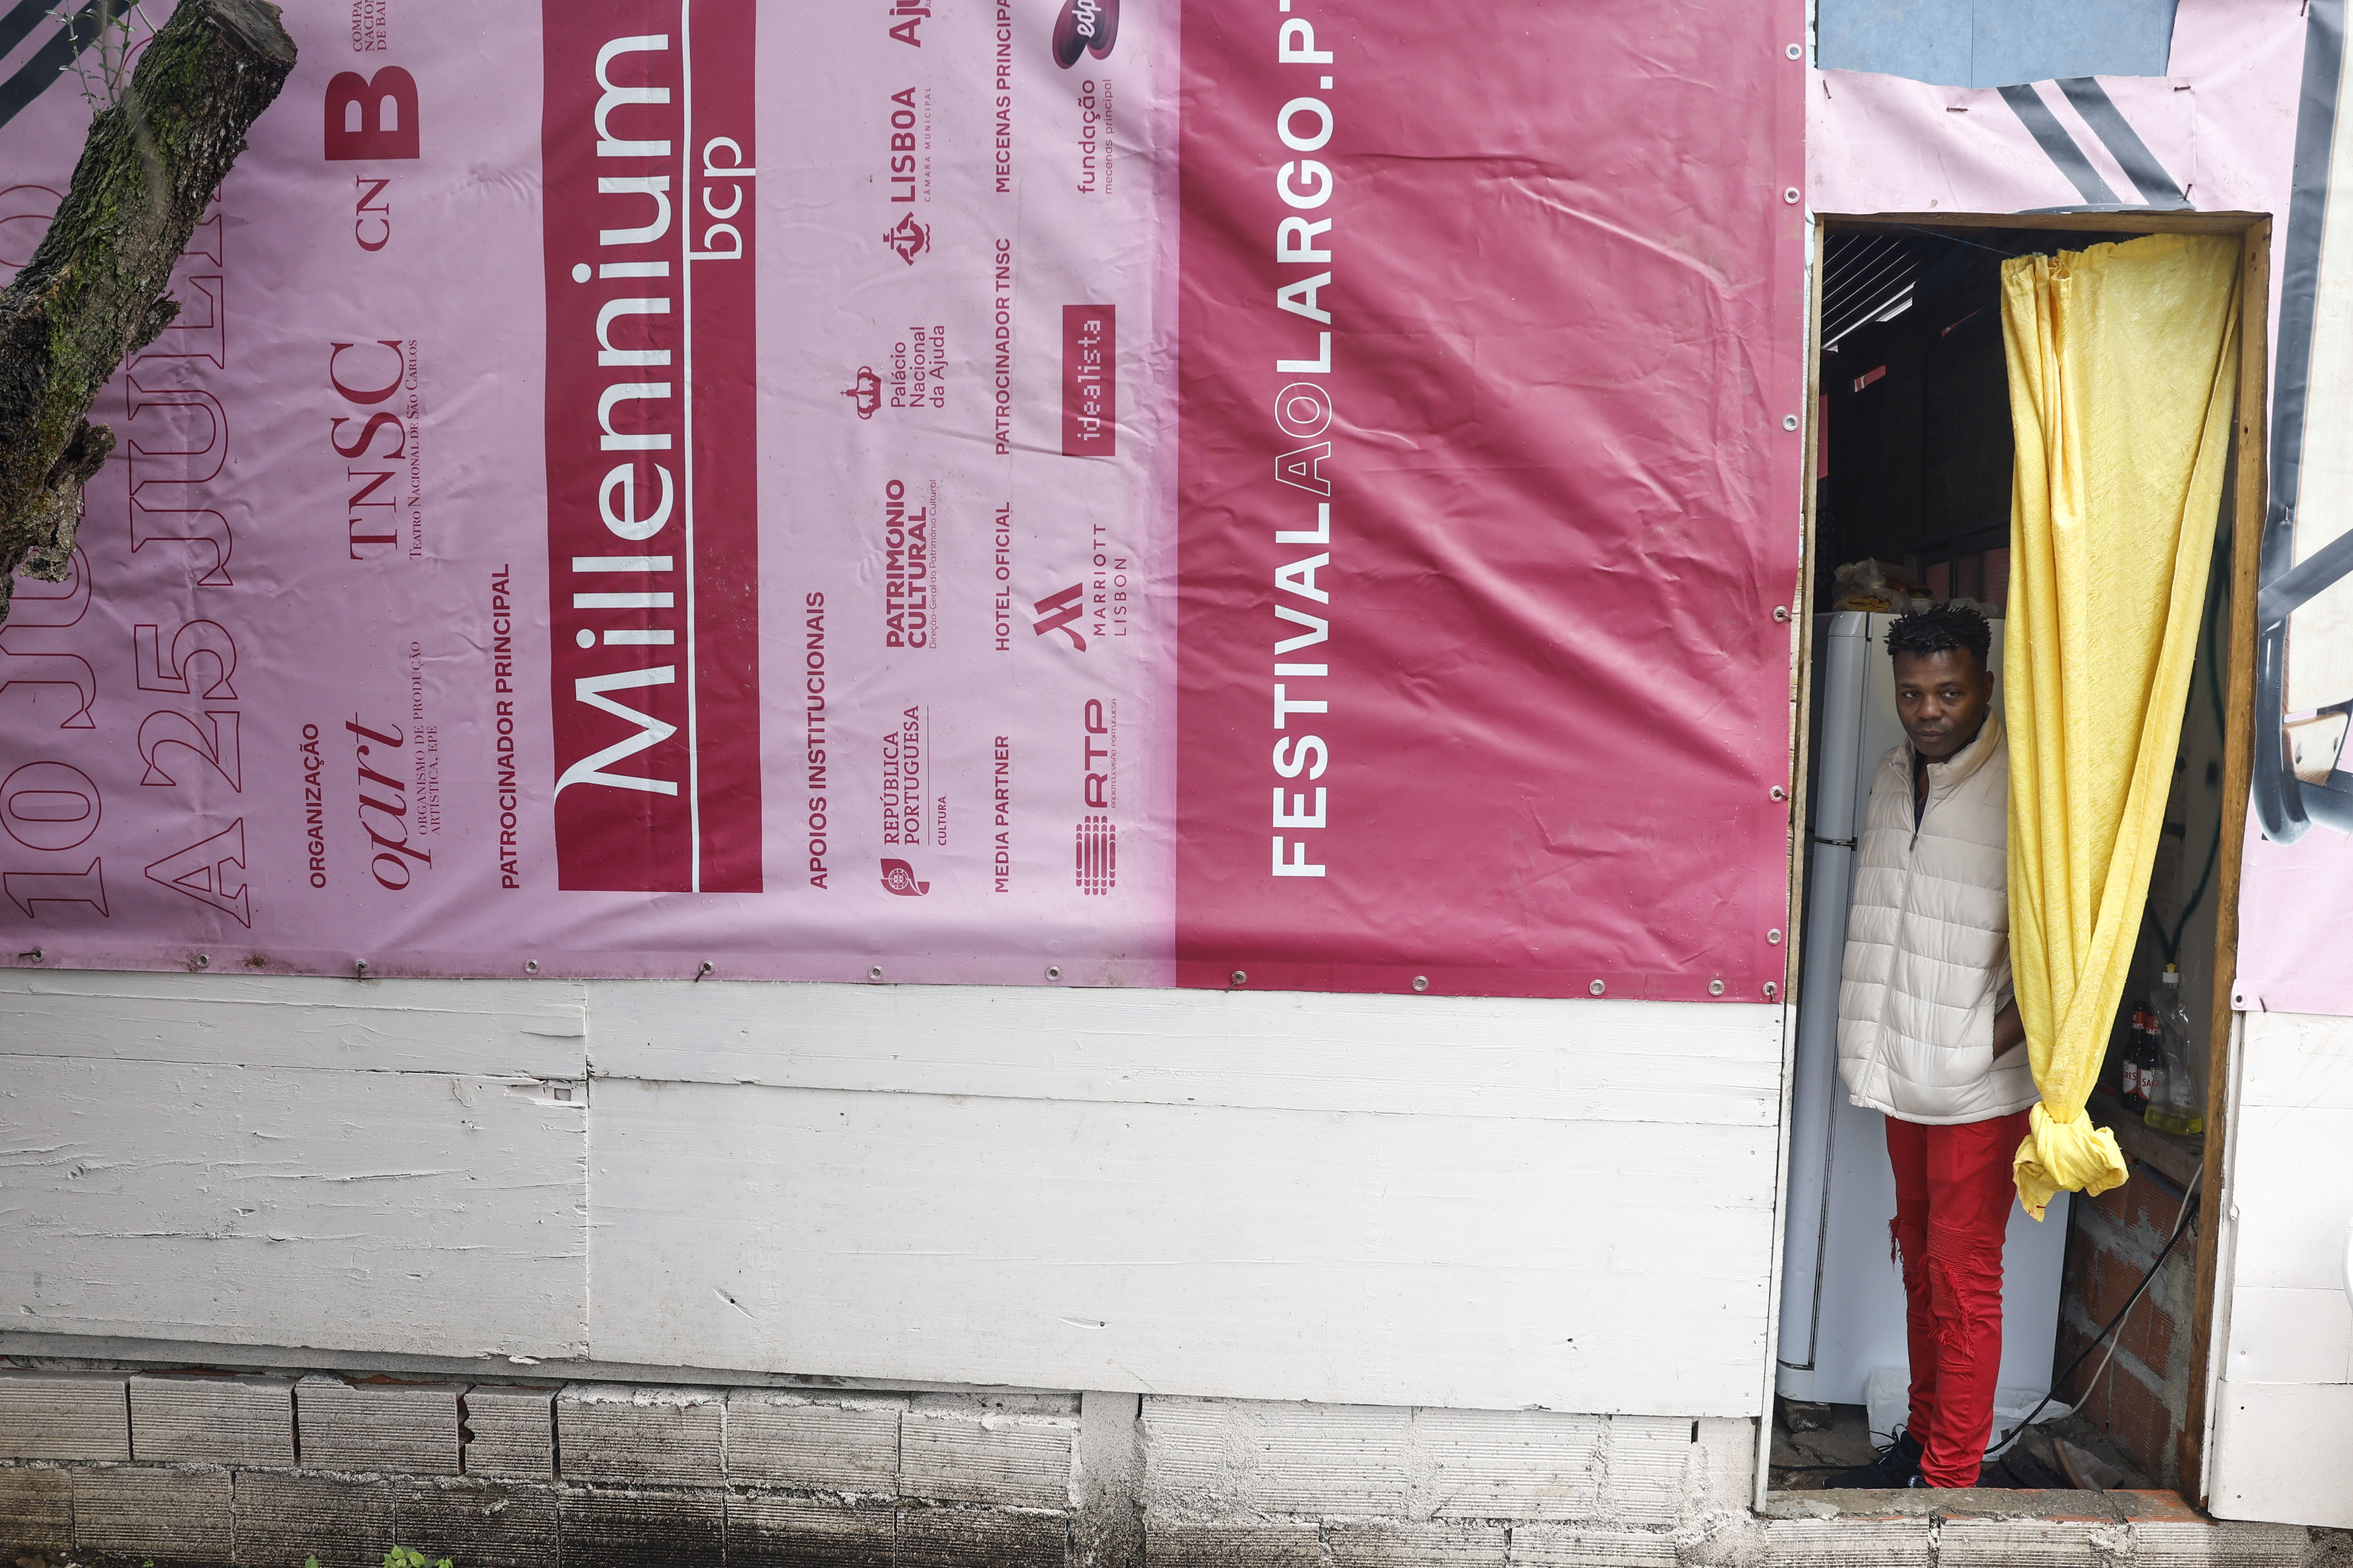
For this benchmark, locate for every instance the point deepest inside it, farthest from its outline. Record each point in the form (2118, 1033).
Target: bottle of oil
(2174, 1103)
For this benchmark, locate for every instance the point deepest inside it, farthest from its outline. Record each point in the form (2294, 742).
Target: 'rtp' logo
(1058, 611)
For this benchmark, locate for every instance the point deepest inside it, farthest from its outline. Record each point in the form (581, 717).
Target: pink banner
(896, 491)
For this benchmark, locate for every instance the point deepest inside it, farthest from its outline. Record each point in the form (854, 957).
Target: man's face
(1942, 698)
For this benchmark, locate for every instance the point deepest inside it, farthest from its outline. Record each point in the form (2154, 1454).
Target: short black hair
(1941, 628)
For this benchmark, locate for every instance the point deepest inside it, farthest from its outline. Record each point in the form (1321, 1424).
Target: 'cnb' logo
(372, 117)
(908, 237)
(1089, 26)
(1057, 612)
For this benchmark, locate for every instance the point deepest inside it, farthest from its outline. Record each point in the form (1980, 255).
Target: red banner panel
(652, 444)
(1487, 339)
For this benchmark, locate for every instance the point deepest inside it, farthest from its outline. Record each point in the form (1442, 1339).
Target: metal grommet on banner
(1715, 987)
(203, 961)
(1772, 989)
(1053, 972)
(1790, 196)
(531, 966)
(1789, 422)
(1773, 936)
(875, 972)
(35, 954)
(1240, 978)
(1421, 982)
(1779, 794)
(359, 969)
(1780, 612)
(1796, 51)
(1597, 988)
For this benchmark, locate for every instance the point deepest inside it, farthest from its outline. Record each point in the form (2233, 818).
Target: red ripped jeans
(1953, 1192)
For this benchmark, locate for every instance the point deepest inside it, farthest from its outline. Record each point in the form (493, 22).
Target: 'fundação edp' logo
(1088, 27)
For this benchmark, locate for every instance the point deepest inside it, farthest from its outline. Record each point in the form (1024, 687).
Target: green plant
(398, 1557)
(105, 31)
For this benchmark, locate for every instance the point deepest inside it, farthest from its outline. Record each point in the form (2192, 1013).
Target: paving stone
(1283, 1544)
(2221, 1544)
(36, 1507)
(240, 1421)
(1587, 1546)
(282, 1518)
(617, 1527)
(769, 1530)
(1847, 1543)
(65, 1416)
(408, 1427)
(508, 1432)
(844, 1445)
(1407, 1543)
(981, 1538)
(630, 1434)
(478, 1524)
(983, 1457)
(172, 1514)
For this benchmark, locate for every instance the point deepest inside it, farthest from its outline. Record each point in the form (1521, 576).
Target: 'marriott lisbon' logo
(1085, 26)
(866, 393)
(908, 237)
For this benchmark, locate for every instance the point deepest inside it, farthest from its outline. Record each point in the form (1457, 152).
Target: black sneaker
(1898, 1465)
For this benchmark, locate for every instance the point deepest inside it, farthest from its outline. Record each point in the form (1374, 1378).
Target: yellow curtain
(2123, 360)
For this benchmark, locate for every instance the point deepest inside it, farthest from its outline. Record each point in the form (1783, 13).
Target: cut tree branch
(93, 291)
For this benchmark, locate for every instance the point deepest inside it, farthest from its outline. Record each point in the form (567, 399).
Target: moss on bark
(93, 291)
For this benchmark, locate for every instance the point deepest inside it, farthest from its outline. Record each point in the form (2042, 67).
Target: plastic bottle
(2174, 1102)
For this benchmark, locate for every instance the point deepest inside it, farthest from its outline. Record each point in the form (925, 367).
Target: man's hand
(2008, 1028)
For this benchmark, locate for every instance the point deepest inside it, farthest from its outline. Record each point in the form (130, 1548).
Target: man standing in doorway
(1929, 1033)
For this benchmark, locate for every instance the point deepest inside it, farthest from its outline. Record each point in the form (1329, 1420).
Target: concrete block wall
(598, 1473)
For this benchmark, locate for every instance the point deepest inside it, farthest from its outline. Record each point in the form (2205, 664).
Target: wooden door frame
(2249, 496)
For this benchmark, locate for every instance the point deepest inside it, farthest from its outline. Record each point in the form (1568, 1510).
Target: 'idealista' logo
(908, 237)
(867, 393)
(1088, 27)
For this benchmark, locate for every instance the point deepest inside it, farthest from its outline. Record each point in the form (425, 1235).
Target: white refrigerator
(1842, 1296)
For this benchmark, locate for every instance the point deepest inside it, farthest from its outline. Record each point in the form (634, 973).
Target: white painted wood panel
(2284, 1452)
(1343, 1256)
(2282, 1444)
(536, 1028)
(1581, 1061)
(2290, 1336)
(425, 1213)
(1355, 1199)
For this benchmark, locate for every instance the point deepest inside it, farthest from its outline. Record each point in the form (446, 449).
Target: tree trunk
(94, 290)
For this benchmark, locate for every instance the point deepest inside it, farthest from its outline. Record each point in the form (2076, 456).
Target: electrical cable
(2189, 1204)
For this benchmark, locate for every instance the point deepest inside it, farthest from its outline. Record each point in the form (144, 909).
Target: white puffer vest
(1927, 946)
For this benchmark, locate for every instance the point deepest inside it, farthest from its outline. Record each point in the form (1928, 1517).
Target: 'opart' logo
(1088, 27)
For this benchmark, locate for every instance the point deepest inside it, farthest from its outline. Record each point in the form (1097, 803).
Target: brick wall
(2141, 1399)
